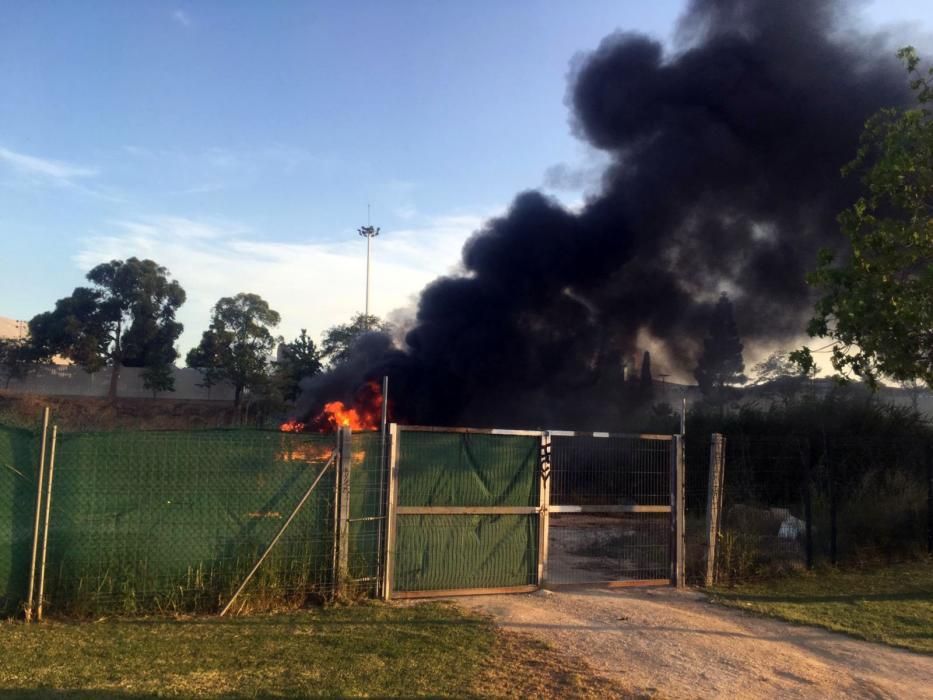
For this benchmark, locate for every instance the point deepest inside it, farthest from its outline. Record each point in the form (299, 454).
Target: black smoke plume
(724, 176)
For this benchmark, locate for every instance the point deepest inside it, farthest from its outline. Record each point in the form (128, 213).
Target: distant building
(12, 329)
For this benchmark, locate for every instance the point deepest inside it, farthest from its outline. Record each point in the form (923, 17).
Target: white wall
(74, 381)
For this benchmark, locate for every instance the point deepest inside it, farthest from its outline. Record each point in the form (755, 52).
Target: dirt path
(678, 645)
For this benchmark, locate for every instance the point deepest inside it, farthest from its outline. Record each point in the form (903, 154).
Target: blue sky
(238, 143)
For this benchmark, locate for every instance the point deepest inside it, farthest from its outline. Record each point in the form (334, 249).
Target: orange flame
(364, 414)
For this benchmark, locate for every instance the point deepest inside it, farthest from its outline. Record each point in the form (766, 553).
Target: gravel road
(674, 644)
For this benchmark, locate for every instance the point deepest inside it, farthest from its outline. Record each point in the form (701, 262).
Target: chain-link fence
(173, 521)
(367, 516)
(169, 521)
(620, 487)
(19, 455)
(794, 502)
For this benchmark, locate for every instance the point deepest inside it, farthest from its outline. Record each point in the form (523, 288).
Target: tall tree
(720, 365)
(298, 359)
(17, 357)
(339, 339)
(877, 304)
(780, 376)
(238, 344)
(647, 381)
(126, 319)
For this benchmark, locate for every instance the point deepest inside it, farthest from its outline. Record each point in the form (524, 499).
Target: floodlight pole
(369, 233)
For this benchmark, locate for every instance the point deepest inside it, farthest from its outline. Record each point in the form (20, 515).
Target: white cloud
(312, 285)
(46, 168)
(181, 17)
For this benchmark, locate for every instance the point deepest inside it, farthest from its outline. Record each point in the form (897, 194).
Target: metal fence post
(344, 461)
(383, 499)
(717, 458)
(45, 531)
(811, 460)
(544, 501)
(391, 513)
(35, 530)
(829, 459)
(678, 558)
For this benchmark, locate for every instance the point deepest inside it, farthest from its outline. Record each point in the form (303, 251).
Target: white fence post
(544, 502)
(391, 513)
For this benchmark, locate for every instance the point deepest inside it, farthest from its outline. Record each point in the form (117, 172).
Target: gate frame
(543, 510)
(394, 510)
(675, 509)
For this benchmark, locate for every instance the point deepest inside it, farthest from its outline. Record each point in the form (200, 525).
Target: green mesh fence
(367, 509)
(166, 521)
(436, 552)
(172, 521)
(18, 466)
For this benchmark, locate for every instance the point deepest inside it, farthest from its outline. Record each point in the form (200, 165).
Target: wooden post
(344, 462)
(717, 459)
(392, 513)
(678, 558)
(544, 502)
(35, 530)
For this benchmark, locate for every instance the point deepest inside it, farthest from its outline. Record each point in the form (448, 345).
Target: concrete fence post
(391, 513)
(344, 462)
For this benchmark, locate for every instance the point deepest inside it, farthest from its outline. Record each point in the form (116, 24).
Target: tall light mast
(369, 233)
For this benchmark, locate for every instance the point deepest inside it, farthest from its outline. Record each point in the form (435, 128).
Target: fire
(364, 414)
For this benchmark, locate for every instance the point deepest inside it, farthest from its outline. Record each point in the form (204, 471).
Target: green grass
(893, 605)
(365, 650)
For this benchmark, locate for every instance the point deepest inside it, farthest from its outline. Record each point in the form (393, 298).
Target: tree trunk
(114, 378)
(237, 392)
(117, 358)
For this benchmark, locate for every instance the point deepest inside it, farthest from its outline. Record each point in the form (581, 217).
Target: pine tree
(721, 365)
(647, 381)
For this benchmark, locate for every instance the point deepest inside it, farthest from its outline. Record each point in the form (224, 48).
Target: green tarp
(171, 521)
(19, 453)
(164, 521)
(437, 552)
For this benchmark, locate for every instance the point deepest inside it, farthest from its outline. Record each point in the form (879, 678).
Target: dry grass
(365, 650)
(74, 413)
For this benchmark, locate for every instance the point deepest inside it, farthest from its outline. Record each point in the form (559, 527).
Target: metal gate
(464, 509)
(616, 509)
(495, 511)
